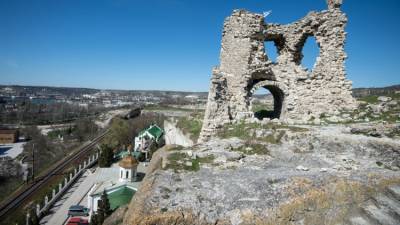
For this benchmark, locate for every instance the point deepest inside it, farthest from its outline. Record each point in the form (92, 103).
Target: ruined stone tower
(299, 94)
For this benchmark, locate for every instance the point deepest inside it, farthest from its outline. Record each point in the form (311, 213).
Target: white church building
(148, 136)
(119, 181)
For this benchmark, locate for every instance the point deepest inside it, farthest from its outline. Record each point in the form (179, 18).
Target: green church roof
(123, 153)
(120, 197)
(154, 130)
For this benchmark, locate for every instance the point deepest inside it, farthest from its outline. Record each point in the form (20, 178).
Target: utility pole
(33, 162)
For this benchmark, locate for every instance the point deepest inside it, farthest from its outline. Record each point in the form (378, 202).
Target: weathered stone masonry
(299, 94)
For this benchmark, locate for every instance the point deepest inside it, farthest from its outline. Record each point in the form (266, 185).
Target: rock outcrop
(280, 175)
(175, 136)
(299, 95)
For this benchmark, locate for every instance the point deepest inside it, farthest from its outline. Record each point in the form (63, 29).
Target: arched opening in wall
(267, 102)
(271, 51)
(310, 53)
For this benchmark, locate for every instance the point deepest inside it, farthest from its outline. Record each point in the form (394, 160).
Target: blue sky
(168, 44)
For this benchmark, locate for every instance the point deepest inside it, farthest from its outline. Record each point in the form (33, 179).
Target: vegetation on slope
(123, 132)
(191, 125)
(42, 114)
(180, 160)
(333, 203)
(251, 148)
(248, 131)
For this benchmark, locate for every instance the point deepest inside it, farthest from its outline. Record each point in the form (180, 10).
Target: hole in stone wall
(267, 102)
(271, 51)
(310, 53)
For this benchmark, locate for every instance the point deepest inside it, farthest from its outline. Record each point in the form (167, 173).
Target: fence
(63, 187)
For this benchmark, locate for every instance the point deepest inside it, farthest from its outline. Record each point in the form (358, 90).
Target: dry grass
(253, 149)
(247, 131)
(330, 204)
(180, 161)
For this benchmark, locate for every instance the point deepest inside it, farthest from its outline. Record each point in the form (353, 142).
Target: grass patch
(207, 159)
(66, 132)
(177, 156)
(363, 112)
(391, 116)
(175, 148)
(191, 126)
(195, 165)
(239, 130)
(372, 99)
(253, 149)
(394, 133)
(180, 161)
(246, 131)
(274, 138)
(8, 186)
(166, 108)
(164, 209)
(260, 107)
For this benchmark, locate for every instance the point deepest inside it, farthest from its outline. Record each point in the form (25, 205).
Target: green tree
(119, 133)
(85, 128)
(103, 208)
(100, 212)
(93, 219)
(69, 131)
(152, 148)
(106, 204)
(33, 220)
(123, 132)
(106, 156)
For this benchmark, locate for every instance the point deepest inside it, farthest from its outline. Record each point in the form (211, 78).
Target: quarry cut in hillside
(174, 135)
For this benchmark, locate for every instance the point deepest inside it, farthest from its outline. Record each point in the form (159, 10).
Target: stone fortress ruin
(299, 95)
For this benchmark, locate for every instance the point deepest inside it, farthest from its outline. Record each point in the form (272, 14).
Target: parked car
(78, 210)
(77, 221)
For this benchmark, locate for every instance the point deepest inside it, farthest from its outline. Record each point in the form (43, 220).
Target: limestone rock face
(313, 176)
(299, 94)
(173, 135)
(334, 3)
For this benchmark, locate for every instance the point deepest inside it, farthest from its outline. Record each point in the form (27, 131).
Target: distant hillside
(158, 92)
(68, 91)
(362, 92)
(72, 91)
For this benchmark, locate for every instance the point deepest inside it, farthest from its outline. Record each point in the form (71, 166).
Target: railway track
(19, 198)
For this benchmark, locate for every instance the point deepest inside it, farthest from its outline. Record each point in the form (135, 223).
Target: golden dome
(128, 162)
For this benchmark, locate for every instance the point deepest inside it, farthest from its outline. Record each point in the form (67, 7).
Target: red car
(77, 221)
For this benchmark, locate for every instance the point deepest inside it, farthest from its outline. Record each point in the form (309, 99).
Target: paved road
(77, 194)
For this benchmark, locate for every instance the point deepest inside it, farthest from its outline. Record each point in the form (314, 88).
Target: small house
(153, 134)
(8, 136)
